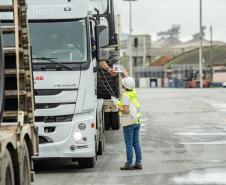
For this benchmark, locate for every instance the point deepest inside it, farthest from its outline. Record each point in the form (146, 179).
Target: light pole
(211, 35)
(130, 38)
(200, 49)
(211, 52)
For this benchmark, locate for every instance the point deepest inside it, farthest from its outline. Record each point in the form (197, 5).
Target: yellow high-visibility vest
(132, 95)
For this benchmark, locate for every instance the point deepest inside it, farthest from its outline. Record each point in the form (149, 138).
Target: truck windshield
(64, 40)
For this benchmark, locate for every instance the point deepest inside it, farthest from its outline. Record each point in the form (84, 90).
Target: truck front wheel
(107, 121)
(25, 167)
(101, 147)
(7, 169)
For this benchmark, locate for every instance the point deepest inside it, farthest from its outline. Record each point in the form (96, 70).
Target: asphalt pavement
(183, 141)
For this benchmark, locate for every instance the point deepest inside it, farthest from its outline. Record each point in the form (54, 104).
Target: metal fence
(177, 76)
(149, 72)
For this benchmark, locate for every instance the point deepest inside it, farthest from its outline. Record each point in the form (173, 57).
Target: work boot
(137, 166)
(126, 167)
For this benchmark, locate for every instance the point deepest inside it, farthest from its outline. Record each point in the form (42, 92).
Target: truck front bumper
(66, 150)
(70, 146)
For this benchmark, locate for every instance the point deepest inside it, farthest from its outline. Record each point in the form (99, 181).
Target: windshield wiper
(52, 60)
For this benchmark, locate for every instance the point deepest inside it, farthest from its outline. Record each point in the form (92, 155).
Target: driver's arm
(104, 65)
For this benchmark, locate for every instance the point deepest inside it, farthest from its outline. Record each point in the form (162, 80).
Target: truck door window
(92, 33)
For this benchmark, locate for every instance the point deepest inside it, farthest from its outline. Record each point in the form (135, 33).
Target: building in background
(169, 62)
(141, 46)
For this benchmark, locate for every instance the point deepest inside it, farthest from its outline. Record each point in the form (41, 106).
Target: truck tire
(25, 166)
(115, 121)
(101, 148)
(87, 162)
(107, 121)
(8, 177)
(101, 145)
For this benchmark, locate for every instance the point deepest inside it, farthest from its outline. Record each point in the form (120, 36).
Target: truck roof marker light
(67, 9)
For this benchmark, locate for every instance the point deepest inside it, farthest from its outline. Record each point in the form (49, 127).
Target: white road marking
(199, 134)
(221, 142)
(205, 143)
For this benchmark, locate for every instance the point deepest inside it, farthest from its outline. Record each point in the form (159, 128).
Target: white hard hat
(128, 83)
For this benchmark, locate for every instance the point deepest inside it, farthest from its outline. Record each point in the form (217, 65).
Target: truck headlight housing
(82, 126)
(78, 136)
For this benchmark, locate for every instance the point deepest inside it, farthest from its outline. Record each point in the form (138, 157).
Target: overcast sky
(153, 16)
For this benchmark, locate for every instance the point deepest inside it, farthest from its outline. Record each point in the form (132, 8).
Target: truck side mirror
(102, 40)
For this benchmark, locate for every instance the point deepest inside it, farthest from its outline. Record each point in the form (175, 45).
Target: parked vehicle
(18, 135)
(71, 91)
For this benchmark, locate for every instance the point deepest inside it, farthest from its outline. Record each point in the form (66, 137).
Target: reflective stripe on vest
(134, 99)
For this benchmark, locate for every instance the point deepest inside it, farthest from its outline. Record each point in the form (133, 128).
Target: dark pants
(132, 141)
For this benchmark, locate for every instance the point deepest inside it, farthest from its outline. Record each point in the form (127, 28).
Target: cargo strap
(108, 86)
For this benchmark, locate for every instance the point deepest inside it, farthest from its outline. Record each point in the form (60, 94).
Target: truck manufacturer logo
(65, 85)
(38, 78)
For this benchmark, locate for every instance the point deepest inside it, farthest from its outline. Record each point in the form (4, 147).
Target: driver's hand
(112, 72)
(124, 74)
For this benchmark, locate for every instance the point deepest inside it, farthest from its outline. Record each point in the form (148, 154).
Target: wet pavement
(183, 138)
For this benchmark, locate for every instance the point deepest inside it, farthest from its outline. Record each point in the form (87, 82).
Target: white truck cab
(68, 114)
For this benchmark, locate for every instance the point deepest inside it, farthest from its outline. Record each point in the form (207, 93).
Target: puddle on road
(217, 105)
(207, 176)
(220, 106)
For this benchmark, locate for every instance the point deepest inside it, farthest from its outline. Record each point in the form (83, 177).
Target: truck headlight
(78, 136)
(82, 126)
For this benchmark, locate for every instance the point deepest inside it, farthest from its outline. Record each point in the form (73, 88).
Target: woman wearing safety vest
(129, 107)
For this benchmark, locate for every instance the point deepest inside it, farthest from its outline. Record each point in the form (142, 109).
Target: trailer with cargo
(18, 135)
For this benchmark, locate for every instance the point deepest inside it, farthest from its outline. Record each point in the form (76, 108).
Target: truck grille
(54, 119)
(51, 92)
(51, 105)
(47, 106)
(47, 92)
